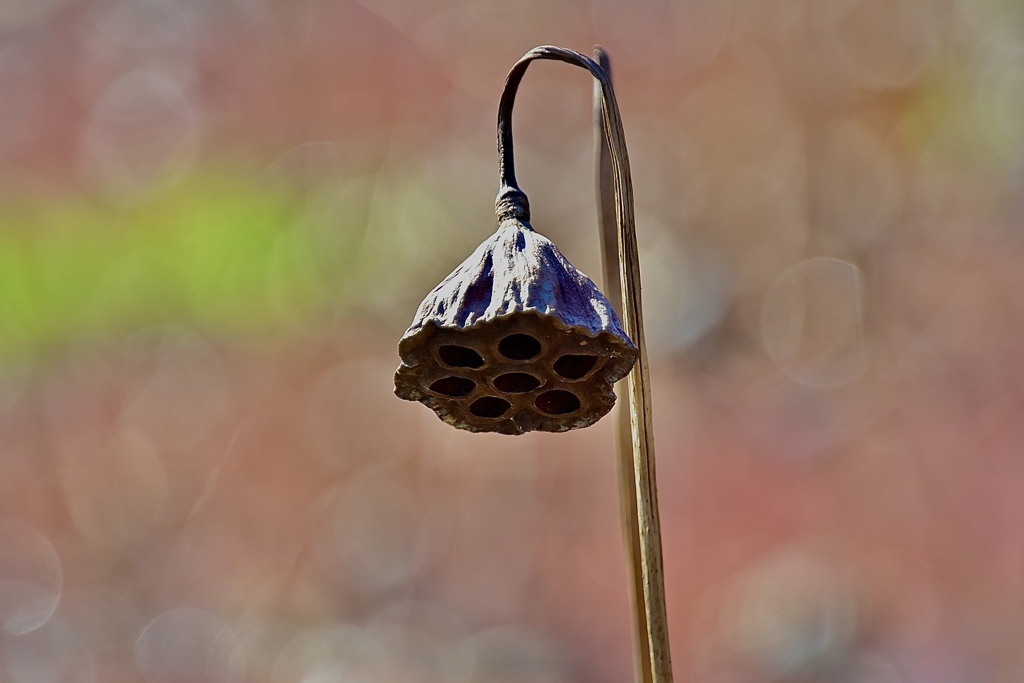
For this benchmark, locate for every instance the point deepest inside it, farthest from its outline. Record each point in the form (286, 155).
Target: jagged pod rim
(517, 280)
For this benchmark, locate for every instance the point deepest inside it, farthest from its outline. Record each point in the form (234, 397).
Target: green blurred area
(227, 252)
(212, 251)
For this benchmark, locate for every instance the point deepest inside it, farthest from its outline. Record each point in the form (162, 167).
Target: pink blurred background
(216, 220)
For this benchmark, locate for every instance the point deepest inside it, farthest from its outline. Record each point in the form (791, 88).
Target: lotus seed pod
(516, 339)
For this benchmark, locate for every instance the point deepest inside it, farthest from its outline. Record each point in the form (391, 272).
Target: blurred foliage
(226, 252)
(215, 250)
(966, 121)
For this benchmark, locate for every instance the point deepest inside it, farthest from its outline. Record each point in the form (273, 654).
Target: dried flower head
(515, 339)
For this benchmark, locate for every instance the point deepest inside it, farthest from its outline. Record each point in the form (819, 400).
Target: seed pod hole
(557, 402)
(519, 347)
(453, 386)
(575, 366)
(460, 356)
(489, 406)
(516, 382)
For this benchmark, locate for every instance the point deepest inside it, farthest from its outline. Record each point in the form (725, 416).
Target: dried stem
(643, 528)
(612, 283)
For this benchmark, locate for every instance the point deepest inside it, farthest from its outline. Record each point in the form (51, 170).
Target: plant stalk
(636, 437)
(606, 202)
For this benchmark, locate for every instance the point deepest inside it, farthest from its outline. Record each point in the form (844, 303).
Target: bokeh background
(217, 219)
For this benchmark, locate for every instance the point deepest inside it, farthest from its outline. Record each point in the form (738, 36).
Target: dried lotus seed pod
(516, 339)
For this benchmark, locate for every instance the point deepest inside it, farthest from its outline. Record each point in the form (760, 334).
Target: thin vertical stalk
(606, 202)
(512, 201)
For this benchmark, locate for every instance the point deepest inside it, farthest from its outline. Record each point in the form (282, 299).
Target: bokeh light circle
(344, 400)
(340, 653)
(142, 136)
(54, 652)
(182, 387)
(186, 645)
(30, 577)
(812, 323)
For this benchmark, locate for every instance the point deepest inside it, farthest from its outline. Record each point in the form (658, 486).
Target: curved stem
(512, 203)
